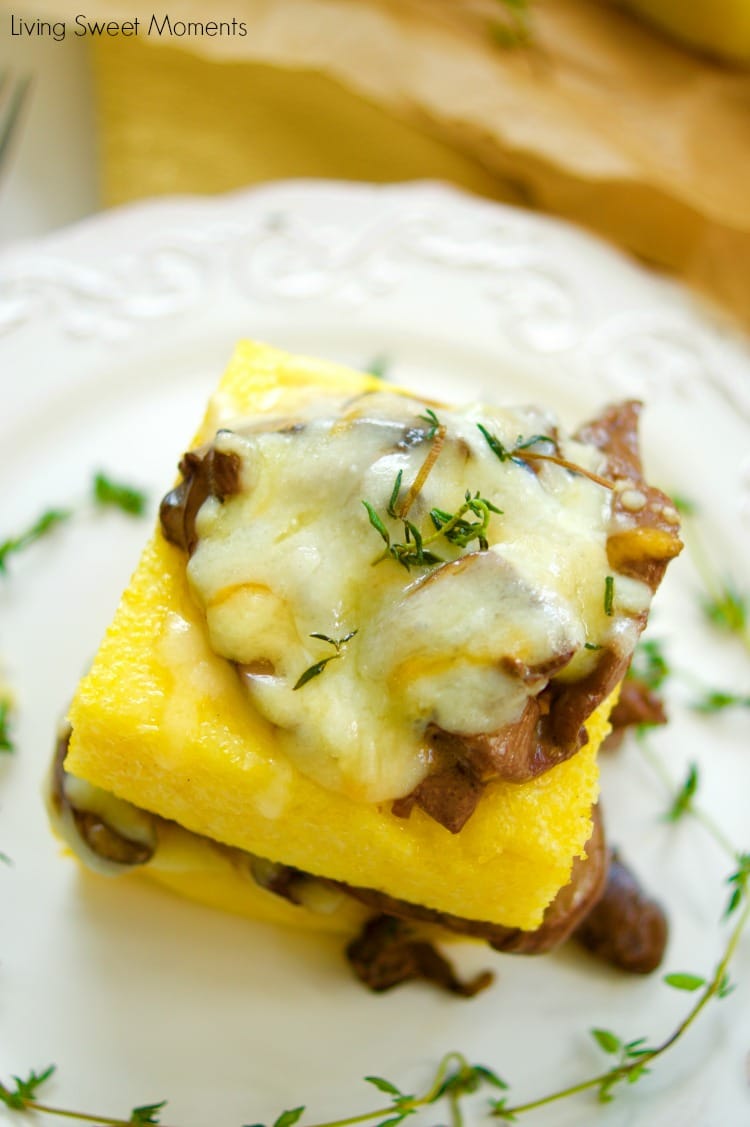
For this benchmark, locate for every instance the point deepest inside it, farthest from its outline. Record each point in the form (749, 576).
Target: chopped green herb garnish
(716, 700)
(377, 523)
(46, 522)
(147, 1113)
(740, 880)
(728, 609)
(453, 527)
(525, 443)
(289, 1118)
(19, 1097)
(430, 417)
(609, 595)
(378, 366)
(687, 982)
(684, 796)
(124, 497)
(394, 496)
(496, 446)
(6, 742)
(650, 664)
(684, 505)
(316, 669)
(591, 646)
(521, 454)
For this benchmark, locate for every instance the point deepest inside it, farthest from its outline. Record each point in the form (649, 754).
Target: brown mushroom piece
(523, 658)
(108, 833)
(387, 953)
(638, 705)
(626, 927)
(646, 525)
(206, 472)
(563, 915)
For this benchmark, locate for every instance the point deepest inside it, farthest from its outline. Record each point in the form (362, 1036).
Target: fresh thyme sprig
(453, 527)
(521, 453)
(716, 700)
(635, 1056)
(649, 664)
(23, 1097)
(651, 667)
(723, 603)
(109, 493)
(105, 493)
(41, 527)
(682, 797)
(316, 669)
(454, 1079)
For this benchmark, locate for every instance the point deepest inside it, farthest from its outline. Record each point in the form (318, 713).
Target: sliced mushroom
(106, 832)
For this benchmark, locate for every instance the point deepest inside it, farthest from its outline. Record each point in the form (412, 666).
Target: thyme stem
(79, 1116)
(572, 466)
(413, 1103)
(691, 807)
(621, 1072)
(416, 486)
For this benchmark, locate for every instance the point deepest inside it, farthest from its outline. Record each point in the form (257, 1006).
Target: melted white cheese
(461, 645)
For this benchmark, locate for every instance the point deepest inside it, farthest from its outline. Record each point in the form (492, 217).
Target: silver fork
(13, 95)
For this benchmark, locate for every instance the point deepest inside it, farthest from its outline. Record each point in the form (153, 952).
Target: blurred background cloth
(577, 108)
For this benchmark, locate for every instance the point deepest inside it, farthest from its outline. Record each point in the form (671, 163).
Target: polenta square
(367, 659)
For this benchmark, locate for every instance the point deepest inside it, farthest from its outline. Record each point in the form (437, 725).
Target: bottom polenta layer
(162, 721)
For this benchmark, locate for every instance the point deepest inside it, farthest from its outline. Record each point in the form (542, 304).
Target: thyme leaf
(394, 495)
(316, 669)
(105, 491)
(377, 523)
(41, 527)
(520, 454)
(383, 1085)
(18, 1097)
(684, 796)
(147, 1113)
(716, 700)
(378, 365)
(723, 603)
(684, 505)
(6, 740)
(431, 418)
(289, 1118)
(728, 609)
(413, 551)
(609, 595)
(740, 880)
(689, 982)
(650, 664)
(606, 1040)
(117, 495)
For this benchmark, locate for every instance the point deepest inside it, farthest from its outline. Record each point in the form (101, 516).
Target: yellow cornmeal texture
(163, 722)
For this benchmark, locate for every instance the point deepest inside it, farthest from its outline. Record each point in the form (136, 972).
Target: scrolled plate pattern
(111, 335)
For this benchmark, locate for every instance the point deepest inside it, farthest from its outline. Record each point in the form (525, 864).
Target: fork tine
(12, 113)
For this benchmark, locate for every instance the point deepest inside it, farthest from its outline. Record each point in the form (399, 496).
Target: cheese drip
(461, 644)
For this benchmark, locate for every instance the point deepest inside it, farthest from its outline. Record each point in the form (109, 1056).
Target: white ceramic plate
(111, 336)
